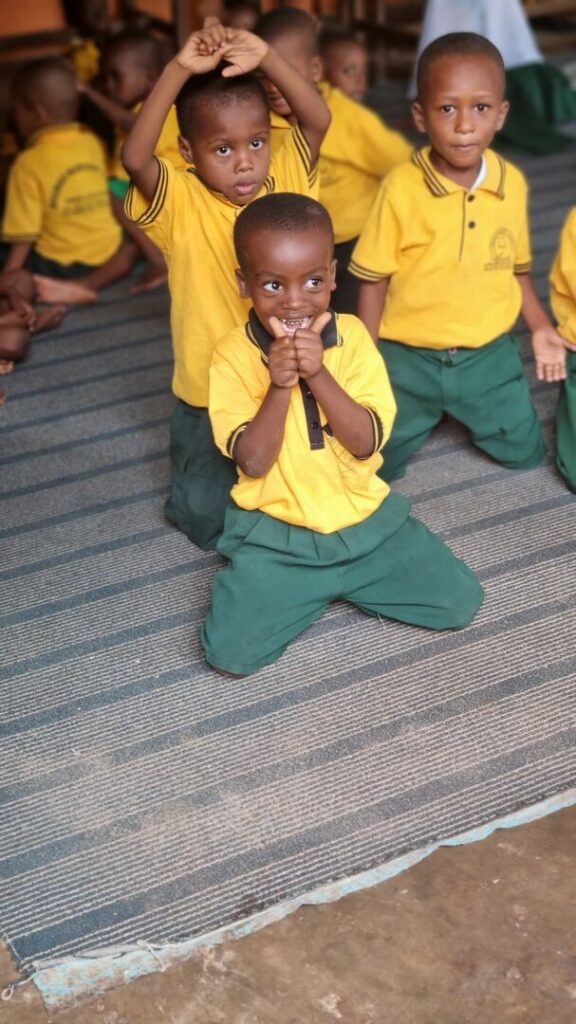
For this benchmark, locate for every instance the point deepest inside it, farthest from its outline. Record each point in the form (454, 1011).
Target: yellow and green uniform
(320, 524)
(563, 302)
(193, 226)
(451, 255)
(58, 199)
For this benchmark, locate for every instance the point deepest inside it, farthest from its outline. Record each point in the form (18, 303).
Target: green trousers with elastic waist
(485, 389)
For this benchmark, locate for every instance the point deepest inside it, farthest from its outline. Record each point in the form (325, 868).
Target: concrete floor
(484, 933)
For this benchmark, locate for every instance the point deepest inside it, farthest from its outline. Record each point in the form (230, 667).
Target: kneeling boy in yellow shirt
(444, 262)
(225, 130)
(300, 400)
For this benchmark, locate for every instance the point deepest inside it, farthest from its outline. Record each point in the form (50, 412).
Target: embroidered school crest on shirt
(502, 250)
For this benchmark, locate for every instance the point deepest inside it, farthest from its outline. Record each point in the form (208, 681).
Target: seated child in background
(444, 260)
(345, 64)
(224, 125)
(58, 219)
(300, 400)
(358, 151)
(132, 63)
(563, 301)
(19, 320)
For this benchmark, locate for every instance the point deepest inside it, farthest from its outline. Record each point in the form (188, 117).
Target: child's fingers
(210, 22)
(277, 328)
(319, 323)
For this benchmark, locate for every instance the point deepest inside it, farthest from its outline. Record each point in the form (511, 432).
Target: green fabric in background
(541, 98)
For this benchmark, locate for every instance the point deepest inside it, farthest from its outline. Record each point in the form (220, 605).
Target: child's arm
(371, 301)
(258, 447)
(202, 52)
(117, 114)
(17, 256)
(548, 346)
(351, 424)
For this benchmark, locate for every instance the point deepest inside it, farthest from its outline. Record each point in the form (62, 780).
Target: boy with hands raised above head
(224, 125)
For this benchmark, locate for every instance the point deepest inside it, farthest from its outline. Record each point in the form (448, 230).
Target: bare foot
(48, 319)
(50, 290)
(6, 366)
(152, 278)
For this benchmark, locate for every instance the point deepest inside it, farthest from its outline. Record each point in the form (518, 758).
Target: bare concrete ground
(484, 933)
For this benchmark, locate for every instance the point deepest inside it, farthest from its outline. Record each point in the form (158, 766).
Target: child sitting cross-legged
(225, 131)
(444, 261)
(300, 401)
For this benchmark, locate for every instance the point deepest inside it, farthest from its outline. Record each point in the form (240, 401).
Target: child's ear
(242, 286)
(185, 150)
(504, 108)
(333, 266)
(317, 69)
(418, 116)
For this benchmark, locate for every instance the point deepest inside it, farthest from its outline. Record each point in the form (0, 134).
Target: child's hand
(309, 347)
(22, 307)
(282, 361)
(204, 49)
(549, 354)
(244, 52)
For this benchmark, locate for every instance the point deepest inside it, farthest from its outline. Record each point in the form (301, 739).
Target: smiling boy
(444, 262)
(300, 400)
(224, 126)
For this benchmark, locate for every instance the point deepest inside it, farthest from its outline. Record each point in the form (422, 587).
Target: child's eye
(223, 150)
(272, 286)
(313, 282)
(257, 143)
(447, 108)
(482, 107)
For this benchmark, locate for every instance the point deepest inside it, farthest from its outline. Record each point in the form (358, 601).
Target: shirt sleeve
(157, 217)
(236, 391)
(365, 379)
(377, 251)
(24, 204)
(292, 169)
(563, 280)
(523, 257)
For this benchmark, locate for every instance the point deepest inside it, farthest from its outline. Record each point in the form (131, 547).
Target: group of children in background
(333, 294)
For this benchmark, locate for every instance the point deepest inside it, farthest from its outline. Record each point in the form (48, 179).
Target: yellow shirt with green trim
(166, 147)
(315, 482)
(358, 151)
(58, 198)
(563, 281)
(451, 253)
(193, 227)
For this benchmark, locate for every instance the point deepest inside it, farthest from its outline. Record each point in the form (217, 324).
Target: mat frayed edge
(61, 982)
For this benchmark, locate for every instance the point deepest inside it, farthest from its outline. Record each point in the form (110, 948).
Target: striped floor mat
(146, 799)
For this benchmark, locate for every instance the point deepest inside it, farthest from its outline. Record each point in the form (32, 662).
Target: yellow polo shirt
(166, 147)
(58, 198)
(193, 227)
(315, 482)
(563, 281)
(451, 253)
(357, 152)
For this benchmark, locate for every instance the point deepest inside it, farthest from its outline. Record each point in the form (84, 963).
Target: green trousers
(280, 578)
(484, 388)
(566, 425)
(202, 477)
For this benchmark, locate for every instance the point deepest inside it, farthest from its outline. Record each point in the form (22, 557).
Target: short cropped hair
(332, 38)
(456, 44)
(212, 91)
(287, 212)
(146, 49)
(50, 82)
(285, 21)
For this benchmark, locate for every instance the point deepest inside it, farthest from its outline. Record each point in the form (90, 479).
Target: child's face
(125, 79)
(289, 276)
(346, 67)
(462, 107)
(230, 149)
(308, 65)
